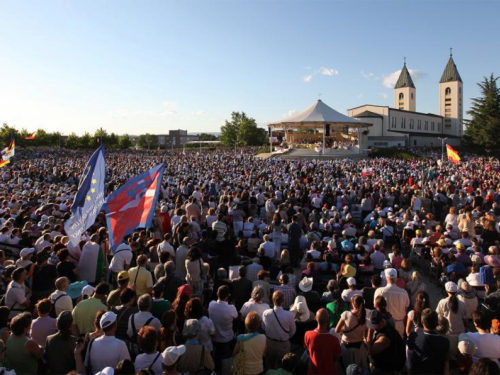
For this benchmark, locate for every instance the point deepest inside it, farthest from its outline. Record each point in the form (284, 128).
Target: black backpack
(52, 312)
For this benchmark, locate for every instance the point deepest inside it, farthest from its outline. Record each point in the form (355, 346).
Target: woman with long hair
(168, 329)
(453, 309)
(194, 310)
(352, 327)
(414, 322)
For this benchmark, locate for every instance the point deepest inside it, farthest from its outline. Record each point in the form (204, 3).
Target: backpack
(132, 344)
(52, 312)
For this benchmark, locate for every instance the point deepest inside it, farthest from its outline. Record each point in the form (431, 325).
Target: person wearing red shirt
(323, 348)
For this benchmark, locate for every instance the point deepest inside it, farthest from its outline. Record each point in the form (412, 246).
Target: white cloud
(369, 75)
(200, 113)
(360, 96)
(328, 71)
(384, 95)
(307, 79)
(390, 80)
(290, 113)
(170, 105)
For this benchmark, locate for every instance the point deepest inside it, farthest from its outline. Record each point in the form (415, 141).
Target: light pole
(442, 148)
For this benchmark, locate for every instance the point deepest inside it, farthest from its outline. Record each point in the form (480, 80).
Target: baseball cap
(391, 272)
(123, 275)
(172, 354)
(373, 319)
(88, 291)
(122, 246)
(451, 287)
(107, 319)
(465, 345)
(351, 281)
(26, 251)
(387, 264)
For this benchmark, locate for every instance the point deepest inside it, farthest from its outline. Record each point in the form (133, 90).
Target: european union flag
(89, 198)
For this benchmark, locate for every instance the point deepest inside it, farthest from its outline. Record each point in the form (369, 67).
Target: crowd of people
(254, 266)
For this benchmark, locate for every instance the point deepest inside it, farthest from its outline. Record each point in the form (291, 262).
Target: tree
(485, 116)
(147, 141)
(241, 130)
(124, 142)
(206, 137)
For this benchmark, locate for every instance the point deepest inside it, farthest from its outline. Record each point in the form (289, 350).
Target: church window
(401, 96)
(411, 95)
(447, 91)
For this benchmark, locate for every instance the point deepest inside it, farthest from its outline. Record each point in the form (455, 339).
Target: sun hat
(465, 345)
(460, 246)
(451, 287)
(75, 289)
(441, 242)
(300, 309)
(351, 281)
(306, 284)
(172, 354)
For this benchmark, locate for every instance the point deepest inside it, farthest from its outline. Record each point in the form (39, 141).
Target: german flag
(3, 163)
(452, 154)
(31, 136)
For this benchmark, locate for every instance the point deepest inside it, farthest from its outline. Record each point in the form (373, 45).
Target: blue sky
(150, 66)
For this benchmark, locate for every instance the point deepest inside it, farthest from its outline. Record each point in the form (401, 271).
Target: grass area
(394, 153)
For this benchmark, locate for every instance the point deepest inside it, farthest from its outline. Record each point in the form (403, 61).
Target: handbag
(202, 370)
(238, 364)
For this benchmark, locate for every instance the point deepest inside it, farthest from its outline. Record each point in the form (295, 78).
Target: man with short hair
(85, 310)
(140, 279)
(396, 297)
(323, 348)
(430, 349)
(143, 317)
(166, 246)
(241, 288)
(222, 315)
(106, 350)
(253, 269)
(487, 344)
(279, 326)
(60, 299)
(171, 282)
(288, 291)
(180, 258)
(17, 295)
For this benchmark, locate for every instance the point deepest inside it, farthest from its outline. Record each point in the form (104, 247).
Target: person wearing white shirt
(60, 299)
(16, 298)
(487, 344)
(377, 258)
(279, 326)
(121, 259)
(166, 246)
(143, 317)
(222, 315)
(106, 350)
(150, 359)
(42, 242)
(267, 248)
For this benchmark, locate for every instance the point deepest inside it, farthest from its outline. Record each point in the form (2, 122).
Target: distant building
(176, 138)
(403, 126)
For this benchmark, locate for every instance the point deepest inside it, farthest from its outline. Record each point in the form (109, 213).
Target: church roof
(450, 73)
(404, 79)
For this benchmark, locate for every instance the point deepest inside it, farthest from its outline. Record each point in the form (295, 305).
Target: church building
(402, 125)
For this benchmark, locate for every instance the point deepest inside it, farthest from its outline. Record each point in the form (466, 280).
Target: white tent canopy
(319, 112)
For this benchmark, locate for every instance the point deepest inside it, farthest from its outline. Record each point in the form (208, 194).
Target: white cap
(106, 371)
(451, 287)
(391, 272)
(107, 319)
(351, 281)
(88, 291)
(27, 251)
(172, 354)
(387, 264)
